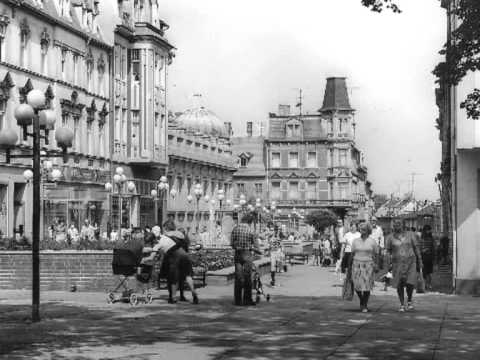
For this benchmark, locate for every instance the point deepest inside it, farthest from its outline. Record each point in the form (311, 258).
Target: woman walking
(406, 261)
(427, 255)
(364, 252)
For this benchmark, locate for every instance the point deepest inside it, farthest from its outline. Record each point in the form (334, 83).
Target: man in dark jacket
(243, 240)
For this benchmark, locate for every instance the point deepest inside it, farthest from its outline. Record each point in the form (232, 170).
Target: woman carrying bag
(406, 263)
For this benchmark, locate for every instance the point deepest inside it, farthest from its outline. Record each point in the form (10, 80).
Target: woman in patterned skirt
(364, 250)
(406, 261)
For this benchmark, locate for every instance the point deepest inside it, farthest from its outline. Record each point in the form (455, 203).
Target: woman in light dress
(364, 252)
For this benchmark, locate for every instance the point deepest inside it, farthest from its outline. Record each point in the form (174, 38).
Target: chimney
(336, 95)
(249, 128)
(283, 110)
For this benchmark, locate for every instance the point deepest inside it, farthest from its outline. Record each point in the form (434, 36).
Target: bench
(299, 252)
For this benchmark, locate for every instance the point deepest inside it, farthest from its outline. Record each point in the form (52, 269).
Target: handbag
(420, 283)
(347, 289)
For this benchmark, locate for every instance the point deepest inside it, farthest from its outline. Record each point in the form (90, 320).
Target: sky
(246, 57)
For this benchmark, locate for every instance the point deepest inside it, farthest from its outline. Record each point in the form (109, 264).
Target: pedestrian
(243, 240)
(364, 254)
(427, 255)
(346, 250)
(377, 234)
(338, 239)
(72, 234)
(178, 264)
(317, 248)
(406, 262)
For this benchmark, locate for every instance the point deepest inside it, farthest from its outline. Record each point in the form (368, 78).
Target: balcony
(339, 171)
(158, 156)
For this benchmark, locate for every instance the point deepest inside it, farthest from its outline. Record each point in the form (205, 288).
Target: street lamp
(198, 192)
(159, 195)
(119, 179)
(43, 120)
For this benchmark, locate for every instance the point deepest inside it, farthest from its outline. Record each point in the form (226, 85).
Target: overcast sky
(247, 56)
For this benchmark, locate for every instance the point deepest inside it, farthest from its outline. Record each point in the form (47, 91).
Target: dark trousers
(243, 277)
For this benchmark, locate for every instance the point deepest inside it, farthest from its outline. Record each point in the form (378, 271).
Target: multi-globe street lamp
(158, 195)
(34, 113)
(119, 179)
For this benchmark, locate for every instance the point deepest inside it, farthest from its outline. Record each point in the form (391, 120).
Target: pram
(127, 264)
(257, 286)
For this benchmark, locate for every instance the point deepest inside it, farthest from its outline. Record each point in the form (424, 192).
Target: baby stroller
(257, 286)
(127, 264)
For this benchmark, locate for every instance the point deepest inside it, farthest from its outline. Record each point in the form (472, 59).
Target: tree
(321, 219)
(379, 5)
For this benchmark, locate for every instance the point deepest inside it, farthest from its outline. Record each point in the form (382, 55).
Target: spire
(336, 95)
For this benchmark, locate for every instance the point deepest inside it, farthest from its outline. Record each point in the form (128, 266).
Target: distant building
(250, 178)
(312, 160)
(200, 153)
(307, 161)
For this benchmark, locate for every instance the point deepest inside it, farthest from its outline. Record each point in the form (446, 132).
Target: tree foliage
(379, 5)
(321, 219)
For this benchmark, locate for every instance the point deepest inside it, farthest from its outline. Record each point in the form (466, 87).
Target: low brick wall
(88, 270)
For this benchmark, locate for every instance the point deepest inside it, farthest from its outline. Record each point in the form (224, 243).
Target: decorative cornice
(25, 90)
(4, 21)
(71, 106)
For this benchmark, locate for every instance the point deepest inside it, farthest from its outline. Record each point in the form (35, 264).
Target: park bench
(298, 252)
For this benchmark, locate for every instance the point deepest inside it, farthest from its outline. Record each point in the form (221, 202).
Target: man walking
(243, 241)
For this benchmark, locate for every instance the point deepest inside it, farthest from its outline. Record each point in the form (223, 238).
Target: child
(386, 278)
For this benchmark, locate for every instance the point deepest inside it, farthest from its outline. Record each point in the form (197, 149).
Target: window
(179, 184)
(243, 161)
(90, 139)
(90, 162)
(343, 157)
(76, 133)
(331, 157)
(101, 142)
(75, 73)
(275, 191)
(293, 160)
(343, 190)
(311, 190)
(330, 126)
(63, 62)
(276, 160)
(311, 159)
(259, 189)
(3, 103)
(293, 193)
(331, 190)
(241, 188)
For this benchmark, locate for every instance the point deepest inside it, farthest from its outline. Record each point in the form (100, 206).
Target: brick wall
(88, 270)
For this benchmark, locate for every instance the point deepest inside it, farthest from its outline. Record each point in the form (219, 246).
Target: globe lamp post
(33, 113)
(158, 195)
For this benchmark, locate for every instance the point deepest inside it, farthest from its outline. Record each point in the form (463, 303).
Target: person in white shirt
(377, 235)
(347, 241)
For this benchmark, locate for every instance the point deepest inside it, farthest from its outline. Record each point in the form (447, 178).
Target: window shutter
(302, 190)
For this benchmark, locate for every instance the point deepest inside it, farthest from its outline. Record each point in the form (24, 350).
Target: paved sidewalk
(306, 319)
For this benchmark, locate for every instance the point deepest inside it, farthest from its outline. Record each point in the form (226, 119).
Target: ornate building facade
(57, 47)
(141, 56)
(312, 161)
(103, 68)
(200, 155)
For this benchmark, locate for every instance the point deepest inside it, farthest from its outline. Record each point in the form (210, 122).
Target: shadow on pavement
(289, 327)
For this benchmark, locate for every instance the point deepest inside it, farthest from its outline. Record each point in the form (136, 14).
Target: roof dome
(201, 120)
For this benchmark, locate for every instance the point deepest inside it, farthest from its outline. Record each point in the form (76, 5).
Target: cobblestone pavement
(306, 319)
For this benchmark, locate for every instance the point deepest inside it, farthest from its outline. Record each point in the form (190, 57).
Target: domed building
(200, 175)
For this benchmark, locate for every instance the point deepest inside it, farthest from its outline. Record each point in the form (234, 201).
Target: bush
(321, 219)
